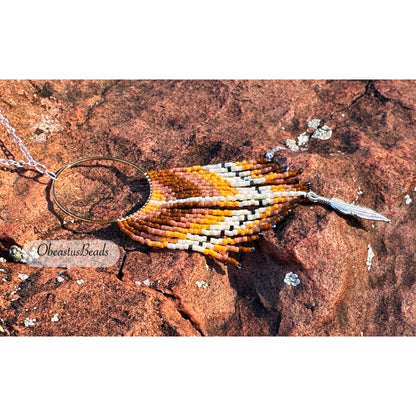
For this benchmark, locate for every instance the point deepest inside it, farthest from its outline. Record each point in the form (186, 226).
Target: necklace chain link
(21, 163)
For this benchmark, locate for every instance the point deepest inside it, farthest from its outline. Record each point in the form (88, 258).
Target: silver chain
(21, 163)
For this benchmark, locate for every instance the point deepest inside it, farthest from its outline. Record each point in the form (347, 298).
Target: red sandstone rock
(369, 159)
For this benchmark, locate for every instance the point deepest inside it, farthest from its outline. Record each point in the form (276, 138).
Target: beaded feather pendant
(215, 209)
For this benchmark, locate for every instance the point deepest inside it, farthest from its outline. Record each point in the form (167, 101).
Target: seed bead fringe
(215, 209)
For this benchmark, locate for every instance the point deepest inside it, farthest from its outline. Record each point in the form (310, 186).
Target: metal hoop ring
(104, 221)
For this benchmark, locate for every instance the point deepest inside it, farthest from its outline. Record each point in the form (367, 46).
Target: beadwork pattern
(215, 209)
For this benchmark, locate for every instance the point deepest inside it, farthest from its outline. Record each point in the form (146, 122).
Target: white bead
(230, 233)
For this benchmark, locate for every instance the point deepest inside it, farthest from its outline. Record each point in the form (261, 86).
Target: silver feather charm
(347, 208)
